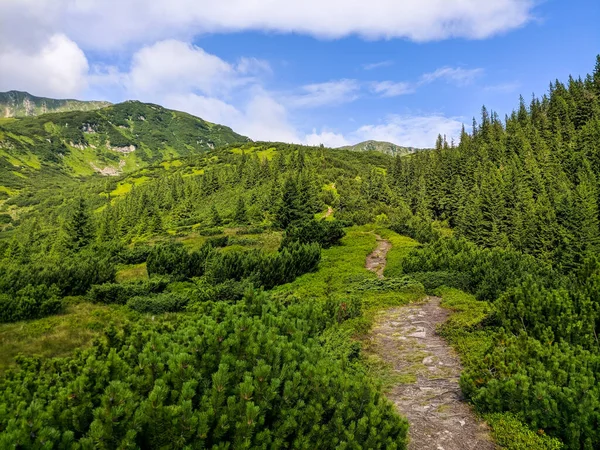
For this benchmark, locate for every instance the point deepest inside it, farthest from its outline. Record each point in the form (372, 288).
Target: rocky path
(427, 392)
(376, 261)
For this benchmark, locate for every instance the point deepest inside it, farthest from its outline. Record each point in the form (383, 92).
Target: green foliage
(88, 141)
(322, 232)
(434, 280)
(265, 269)
(241, 215)
(158, 303)
(77, 227)
(510, 433)
(73, 275)
(30, 302)
(172, 259)
(265, 383)
(120, 293)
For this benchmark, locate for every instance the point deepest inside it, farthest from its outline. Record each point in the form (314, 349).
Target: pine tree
(289, 209)
(215, 217)
(241, 215)
(77, 227)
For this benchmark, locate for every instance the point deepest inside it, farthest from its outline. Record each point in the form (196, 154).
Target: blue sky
(328, 71)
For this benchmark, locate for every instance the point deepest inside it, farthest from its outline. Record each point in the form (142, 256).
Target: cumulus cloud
(329, 93)
(115, 23)
(58, 68)
(172, 65)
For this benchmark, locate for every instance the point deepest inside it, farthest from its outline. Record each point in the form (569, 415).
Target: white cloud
(419, 131)
(58, 68)
(117, 23)
(175, 66)
(266, 119)
(327, 138)
(392, 89)
(329, 93)
(260, 118)
(378, 65)
(253, 66)
(412, 131)
(208, 108)
(457, 75)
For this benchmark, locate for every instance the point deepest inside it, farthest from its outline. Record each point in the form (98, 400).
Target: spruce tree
(77, 227)
(215, 217)
(241, 215)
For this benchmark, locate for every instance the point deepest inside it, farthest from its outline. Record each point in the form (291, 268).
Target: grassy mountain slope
(379, 146)
(23, 104)
(108, 141)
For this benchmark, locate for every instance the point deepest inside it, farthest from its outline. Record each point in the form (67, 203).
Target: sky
(334, 72)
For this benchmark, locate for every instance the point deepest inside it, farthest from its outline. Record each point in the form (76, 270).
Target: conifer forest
(212, 293)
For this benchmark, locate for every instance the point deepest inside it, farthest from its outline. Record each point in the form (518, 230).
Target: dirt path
(427, 391)
(426, 370)
(376, 261)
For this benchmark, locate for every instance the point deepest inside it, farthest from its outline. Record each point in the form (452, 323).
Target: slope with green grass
(108, 141)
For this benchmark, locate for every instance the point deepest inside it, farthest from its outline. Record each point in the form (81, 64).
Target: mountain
(107, 141)
(379, 146)
(23, 104)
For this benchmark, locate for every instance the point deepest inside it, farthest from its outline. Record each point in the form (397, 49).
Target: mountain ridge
(112, 140)
(23, 104)
(388, 148)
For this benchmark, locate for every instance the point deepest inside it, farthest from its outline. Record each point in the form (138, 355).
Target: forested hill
(108, 141)
(219, 299)
(23, 104)
(529, 182)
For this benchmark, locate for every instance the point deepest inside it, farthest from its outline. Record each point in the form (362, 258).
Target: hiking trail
(427, 391)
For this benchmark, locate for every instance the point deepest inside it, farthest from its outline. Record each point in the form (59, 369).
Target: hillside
(23, 104)
(270, 295)
(379, 146)
(109, 141)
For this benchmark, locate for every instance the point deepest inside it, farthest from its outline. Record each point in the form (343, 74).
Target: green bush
(434, 280)
(512, 434)
(210, 231)
(31, 302)
(249, 375)
(158, 303)
(321, 232)
(119, 293)
(135, 255)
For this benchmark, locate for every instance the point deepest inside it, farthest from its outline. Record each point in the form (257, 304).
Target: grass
(268, 154)
(401, 247)
(121, 189)
(461, 329)
(58, 335)
(342, 273)
(135, 272)
(174, 163)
